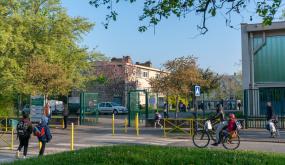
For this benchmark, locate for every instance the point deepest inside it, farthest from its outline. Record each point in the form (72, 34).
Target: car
(110, 107)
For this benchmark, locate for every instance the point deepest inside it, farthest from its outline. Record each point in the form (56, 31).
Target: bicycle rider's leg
(219, 130)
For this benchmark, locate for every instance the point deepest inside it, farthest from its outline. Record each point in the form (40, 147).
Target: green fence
(88, 108)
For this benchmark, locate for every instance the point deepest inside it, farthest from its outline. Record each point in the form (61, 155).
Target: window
(145, 74)
(102, 105)
(108, 105)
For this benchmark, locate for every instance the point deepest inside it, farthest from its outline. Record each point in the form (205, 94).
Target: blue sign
(197, 90)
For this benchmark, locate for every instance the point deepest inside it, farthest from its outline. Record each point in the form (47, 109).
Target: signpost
(197, 90)
(37, 106)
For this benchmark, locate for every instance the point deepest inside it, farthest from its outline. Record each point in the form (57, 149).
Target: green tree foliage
(154, 11)
(39, 46)
(181, 75)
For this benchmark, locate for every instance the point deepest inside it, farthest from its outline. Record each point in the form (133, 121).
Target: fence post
(164, 131)
(113, 124)
(62, 123)
(12, 139)
(137, 124)
(40, 145)
(72, 137)
(126, 125)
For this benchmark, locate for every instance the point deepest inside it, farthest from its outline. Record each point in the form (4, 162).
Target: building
(263, 59)
(119, 75)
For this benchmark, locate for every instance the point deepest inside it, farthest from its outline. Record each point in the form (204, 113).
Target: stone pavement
(87, 136)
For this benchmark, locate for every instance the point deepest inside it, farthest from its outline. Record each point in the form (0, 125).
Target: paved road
(101, 135)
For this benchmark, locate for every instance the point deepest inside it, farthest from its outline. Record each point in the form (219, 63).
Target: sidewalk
(88, 136)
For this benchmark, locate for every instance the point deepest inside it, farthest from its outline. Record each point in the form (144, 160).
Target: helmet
(232, 116)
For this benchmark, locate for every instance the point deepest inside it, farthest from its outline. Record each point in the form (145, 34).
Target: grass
(146, 155)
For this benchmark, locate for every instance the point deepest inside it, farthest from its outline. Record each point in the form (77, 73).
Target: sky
(219, 49)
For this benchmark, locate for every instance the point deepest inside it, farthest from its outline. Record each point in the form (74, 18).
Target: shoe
(17, 154)
(24, 157)
(215, 144)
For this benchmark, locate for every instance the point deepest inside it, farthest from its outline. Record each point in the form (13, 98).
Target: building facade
(120, 75)
(263, 64)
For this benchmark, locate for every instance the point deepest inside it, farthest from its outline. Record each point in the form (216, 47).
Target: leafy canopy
(156, 10)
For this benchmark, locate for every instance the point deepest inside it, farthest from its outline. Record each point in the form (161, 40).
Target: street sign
(197, 90)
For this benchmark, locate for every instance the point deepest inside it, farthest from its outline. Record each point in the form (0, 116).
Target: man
(65, 114)
(269, 111)
(221, 116)
(24, 131)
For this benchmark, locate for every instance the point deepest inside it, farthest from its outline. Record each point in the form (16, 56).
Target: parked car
(109, 107)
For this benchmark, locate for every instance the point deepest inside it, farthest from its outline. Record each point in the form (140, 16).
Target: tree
(156, 11)
(39, 43)
(181, 75)
(211, 80)
(230, 86)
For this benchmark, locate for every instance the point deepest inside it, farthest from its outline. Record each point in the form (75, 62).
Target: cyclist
(223, 123)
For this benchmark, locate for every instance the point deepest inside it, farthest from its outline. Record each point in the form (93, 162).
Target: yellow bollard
(40, 145)
(62, 123)
(113, 124)
(12, 139)
(126, 125)
(137, 123)
(72, 137)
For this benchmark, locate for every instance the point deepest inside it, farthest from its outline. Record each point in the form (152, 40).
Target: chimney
(127, 59)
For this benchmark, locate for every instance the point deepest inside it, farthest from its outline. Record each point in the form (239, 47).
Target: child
(42, 131)
(232, 125)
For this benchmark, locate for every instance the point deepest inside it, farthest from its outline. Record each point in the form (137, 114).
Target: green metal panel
(269, 61)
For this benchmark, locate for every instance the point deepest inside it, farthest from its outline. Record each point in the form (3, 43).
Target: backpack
(39, 131)
(43, 133)
(22, 129)
(238, 125)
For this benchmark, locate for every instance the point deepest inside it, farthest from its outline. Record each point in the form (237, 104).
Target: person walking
(269, 111)
(24, 131)
(157, 118)
(65, 114)
(43, 134)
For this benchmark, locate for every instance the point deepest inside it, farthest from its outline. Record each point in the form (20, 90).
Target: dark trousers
(65, 121)
(42, 150)
(24, 142)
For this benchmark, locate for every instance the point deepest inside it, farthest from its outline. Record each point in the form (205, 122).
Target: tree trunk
(176, 108)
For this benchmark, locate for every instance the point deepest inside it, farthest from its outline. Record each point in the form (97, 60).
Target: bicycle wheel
(231, 143)
(201, 139)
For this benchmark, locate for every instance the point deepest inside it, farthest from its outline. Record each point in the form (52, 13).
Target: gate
(137, 103)
(88, 108)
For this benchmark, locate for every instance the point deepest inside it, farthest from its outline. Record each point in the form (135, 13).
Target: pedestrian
(180, 106)
(43, 134)
(239, 105)
(165, 112)
(157, 118)
(47, 111)
(65, 114)
(269, 111)
(24, 131)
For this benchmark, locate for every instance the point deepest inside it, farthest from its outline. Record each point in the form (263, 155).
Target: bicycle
(201, 137)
